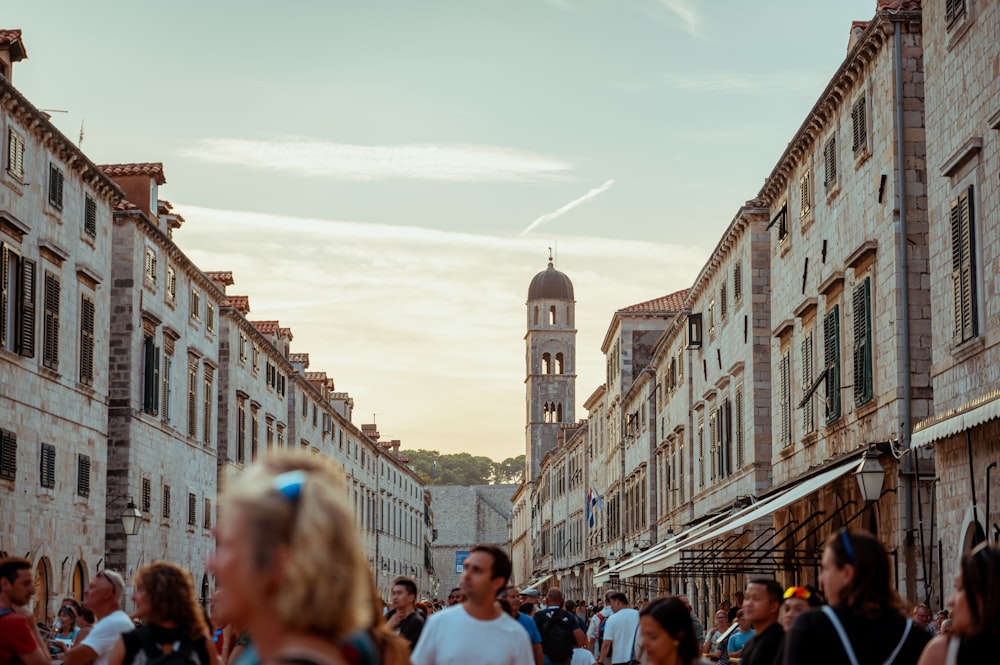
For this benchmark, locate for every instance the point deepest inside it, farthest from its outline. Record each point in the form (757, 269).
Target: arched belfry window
(545, 413)
(552, 315)
(536, 315)
(559, 413)
(546, 363)
(568, 322)
(559, 363)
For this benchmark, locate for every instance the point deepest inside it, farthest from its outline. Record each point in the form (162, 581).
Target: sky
(386, 177)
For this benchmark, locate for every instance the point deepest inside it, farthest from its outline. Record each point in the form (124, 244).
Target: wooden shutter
(8, 455)
(90, 217)
(963, 266)
(861, 302)
(87, 341)
(831, 362)
(808, 421)
(166, 502)
(26, 343)
(738, 284)
(83, 475)
(165, 387)
(192, 509)
(805, 194)
(739, 438)
(785, 399)
(47, 466)
(830, 162)
(50, 350)
(55, 186)
(859, 125)
(953, 10)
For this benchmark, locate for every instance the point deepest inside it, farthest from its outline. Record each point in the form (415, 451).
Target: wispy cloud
(597, 191)
(685, 12)
(340, 161)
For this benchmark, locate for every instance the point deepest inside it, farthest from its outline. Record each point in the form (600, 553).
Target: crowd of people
(294, 588)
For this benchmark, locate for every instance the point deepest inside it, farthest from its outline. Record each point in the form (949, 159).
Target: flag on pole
(594, 502)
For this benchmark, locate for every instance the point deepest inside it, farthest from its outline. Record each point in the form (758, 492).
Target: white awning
(988, 410)
(672, 555)
(539, 582)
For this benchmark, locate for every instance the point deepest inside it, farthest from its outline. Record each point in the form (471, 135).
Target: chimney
(11, 51)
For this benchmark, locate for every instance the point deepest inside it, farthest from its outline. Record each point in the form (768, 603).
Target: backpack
(151, 653)
(557, 634)
(600, 629)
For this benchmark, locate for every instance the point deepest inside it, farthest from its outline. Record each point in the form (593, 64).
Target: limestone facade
(55, 309)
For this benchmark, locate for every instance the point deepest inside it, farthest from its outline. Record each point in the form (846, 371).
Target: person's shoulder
(935, 651)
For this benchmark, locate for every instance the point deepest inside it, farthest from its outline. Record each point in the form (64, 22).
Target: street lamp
(870, 475)
(131, 519)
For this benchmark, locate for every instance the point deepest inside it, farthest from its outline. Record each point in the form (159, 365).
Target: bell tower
(550, 360)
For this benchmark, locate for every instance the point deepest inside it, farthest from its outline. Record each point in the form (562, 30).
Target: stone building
(466, 516)
(55, 308)
(162, 421)
(963, 128)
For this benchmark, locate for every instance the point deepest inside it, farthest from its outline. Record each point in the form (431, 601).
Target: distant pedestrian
(971, 634)
(104, 597)
(456, 597)
(762, 606)
(699, 630)
(477, 631)
(172, 621)
(620, 631)
(863, 622)
(404, 618)
(923, 620)
(514, 602)
(595, 631)
(561, 633)
(19, 638)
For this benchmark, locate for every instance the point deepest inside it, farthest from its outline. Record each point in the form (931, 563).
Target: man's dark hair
(619, 596)
(774, 590)
(570, 605)
(501, 562)
(10, 567)
(458, 588)
(411, 586)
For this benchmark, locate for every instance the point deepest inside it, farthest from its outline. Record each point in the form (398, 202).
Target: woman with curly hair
(289, 559)
(166, 603)
(975, 612)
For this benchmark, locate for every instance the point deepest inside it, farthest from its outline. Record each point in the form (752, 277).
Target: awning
(539, 582)
(671, 556)
(970, 415)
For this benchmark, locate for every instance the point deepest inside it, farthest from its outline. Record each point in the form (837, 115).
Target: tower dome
(550, 284)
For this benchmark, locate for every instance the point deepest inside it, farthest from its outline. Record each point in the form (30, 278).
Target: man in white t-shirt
(103, 596)
(619, 631)
(477, 631)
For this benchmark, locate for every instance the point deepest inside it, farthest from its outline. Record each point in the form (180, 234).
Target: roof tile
(154, 169)
(240, 303)
(672, 302)
(266, 327)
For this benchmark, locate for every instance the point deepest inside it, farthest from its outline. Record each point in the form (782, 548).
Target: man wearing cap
(103, 596)
(530, 601)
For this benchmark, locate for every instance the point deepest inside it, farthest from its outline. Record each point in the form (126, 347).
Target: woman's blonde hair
(298, 501)
(171, 597)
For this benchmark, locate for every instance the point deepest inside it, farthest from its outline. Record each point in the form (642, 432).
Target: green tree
(511, 470)
(436, 468)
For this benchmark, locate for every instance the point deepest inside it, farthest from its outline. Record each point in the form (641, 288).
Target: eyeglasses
(290, 485)
(846, 540)
(798, 592)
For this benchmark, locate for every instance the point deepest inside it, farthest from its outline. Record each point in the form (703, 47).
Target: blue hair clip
(290, 484)
(846, 539)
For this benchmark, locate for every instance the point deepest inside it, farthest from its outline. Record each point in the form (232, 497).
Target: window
(207, 523)
(859, 126)
(241, 433)
(150, 374)
(254, 431)
(146, 493)
(808, 420)
(701, 453)
(723, 300)
(50, 348)
(243, 348)
(15, 155)
(17, 302)
(862, 305)
(785, 399)
(192, 509)
(256, 359)
(207, 406)
(150, 265)
(192, 401)
(195, 305)
(47, 466)
(269, 425)
(55, 186)
(781, 221)
(281, 436)
(86, 341)
(963, 266)
(830, 162)
(83, 475)
(168, 362)
(805, 194)
(210, 317)
(166, 502)
(831, 363)
(90, 217)
(738, 284)
(711, 318)
(953, 10)
(738, 439)
(171, 284)
(8, 455)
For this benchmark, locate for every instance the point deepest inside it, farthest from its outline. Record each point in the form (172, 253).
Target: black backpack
(557, 627)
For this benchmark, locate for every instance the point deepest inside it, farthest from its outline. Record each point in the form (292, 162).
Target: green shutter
(862, 303)
(831, 362)
(963, 266)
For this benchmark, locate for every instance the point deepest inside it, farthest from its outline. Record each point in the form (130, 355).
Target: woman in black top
(855, 577)
(975, 613)
(172, 621)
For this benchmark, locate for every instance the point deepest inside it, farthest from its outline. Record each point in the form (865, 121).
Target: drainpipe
(902, 281)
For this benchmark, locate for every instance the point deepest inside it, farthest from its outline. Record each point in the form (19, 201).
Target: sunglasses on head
(848, 548)
(798, 592)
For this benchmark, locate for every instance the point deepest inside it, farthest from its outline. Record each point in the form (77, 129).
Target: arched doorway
(79, 581)
(42, 583)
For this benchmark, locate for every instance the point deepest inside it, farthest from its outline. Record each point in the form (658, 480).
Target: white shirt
(593, 628)
(453, 637)
(621, 628)
(582, 657)
(105, 633)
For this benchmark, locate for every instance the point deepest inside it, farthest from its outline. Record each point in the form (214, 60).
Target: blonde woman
(290, 562)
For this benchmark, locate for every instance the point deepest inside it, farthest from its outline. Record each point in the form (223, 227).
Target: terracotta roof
(266, 327)
(154, 169)
(240, 303)
(673, 302)
(125, 204)
(224, 276)
(297, 358)
(315, 376)
(285, 333)
(896, 5)
(11, 41)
